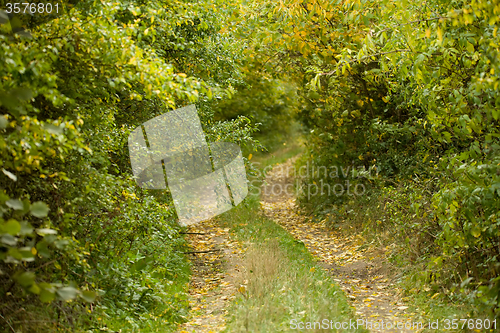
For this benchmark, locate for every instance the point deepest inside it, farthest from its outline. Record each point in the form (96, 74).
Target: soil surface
(214, 278)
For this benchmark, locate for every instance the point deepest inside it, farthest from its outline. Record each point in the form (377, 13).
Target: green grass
(286, 151)
(429, 309)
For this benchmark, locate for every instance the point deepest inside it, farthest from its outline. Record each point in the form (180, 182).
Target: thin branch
(45, 264)
(13, 330)
(416, 21)
(270, 57)
(208, 251)
(366, 57)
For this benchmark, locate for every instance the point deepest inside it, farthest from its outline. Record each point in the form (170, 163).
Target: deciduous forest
(386, 111)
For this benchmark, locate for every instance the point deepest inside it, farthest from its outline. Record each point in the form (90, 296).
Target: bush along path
(361, 274)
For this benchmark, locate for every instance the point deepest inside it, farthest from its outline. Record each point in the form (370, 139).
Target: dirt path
(362, 275)
(215, 273)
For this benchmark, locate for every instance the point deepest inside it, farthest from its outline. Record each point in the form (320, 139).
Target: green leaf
(67, 293)
(47, 295)
(61, 243)
(15, 253)
(88, 296)
(15, 204)
(26, 228)
(39, 209)
(12, 227)
(26, 254)
(25, 279)
(16, 24)
(8, 100)
(475, 232)
(3, 122)
(470, 47)
(34, 289)
(8, 239)
(52, 129)
(22, 93)
(43, 249)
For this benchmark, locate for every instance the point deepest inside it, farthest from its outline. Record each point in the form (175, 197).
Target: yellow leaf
(440, 34)
(242, 289)
(428, 33)
(312, 269)
(249, 157)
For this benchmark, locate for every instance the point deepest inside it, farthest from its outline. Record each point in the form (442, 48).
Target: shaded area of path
(362, 274)
(214, 273)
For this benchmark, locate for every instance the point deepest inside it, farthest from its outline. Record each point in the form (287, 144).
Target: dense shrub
(410, 89)
(75, 230)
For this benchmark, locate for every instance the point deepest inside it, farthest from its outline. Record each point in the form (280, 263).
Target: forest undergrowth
(396, 102)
